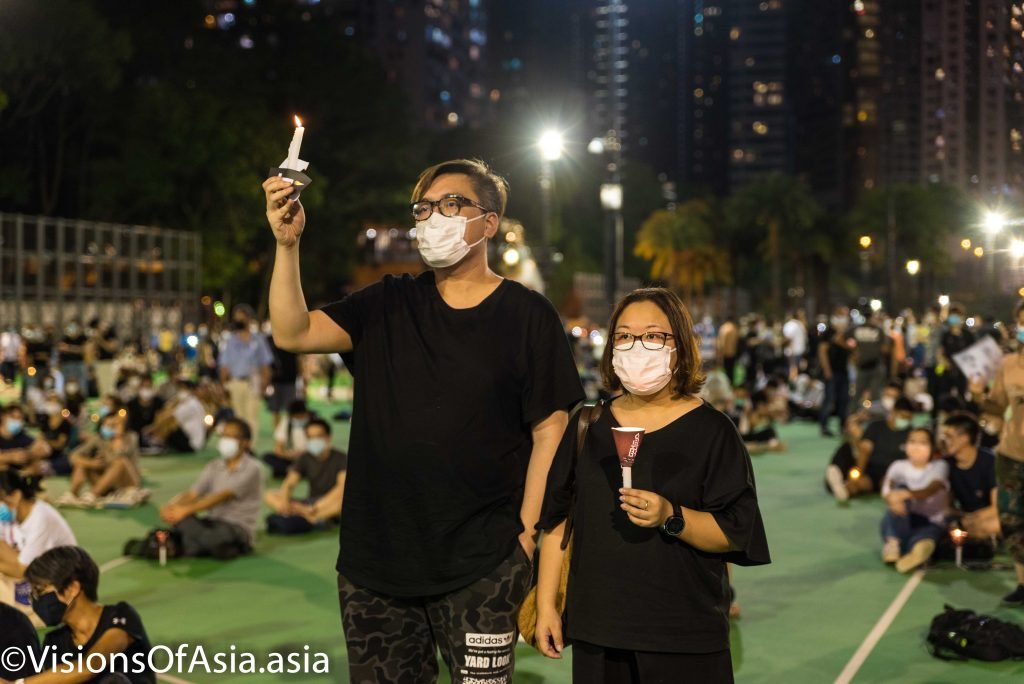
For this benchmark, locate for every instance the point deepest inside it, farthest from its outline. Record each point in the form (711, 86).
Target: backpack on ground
(964, 634)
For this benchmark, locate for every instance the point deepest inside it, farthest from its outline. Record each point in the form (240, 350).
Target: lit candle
(959, 536)
(293, 148)
(854, 473)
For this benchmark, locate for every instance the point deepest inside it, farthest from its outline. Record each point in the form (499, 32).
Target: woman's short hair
(491, 188)
(62, 565)
(688, 376)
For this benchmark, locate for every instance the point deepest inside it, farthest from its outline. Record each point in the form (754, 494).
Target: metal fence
(53, 270)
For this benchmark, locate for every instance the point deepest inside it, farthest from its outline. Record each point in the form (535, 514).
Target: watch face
(674, 525)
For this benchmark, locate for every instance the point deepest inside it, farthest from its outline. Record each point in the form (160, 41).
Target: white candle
(627, 478)
(293, 148)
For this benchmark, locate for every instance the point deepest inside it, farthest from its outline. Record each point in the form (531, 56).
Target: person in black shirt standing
(834, 357)
(648, 590)
(72, 354)
(64, 592)
(955, 339)
(462, 384)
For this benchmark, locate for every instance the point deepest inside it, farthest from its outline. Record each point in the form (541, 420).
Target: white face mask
(441, 239)
(888, 403)
(228, 447)
(642, 371)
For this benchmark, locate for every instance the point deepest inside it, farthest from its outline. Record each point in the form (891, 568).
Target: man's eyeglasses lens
(450, 205)
(653, 341)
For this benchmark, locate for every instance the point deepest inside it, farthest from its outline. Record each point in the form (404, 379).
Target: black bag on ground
(964, 634)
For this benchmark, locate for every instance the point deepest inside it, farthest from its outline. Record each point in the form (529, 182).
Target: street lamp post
(865, 265)
(611, 203)
(550, 146)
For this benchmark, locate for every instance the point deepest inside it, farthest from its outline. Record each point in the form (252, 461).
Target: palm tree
(682, 250)
(781, 212)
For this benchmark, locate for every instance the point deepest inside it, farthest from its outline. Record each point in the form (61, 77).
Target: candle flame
(298, 121)
(854, 473)
(958, 535)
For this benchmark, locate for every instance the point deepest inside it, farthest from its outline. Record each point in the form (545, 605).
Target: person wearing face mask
(180, 426)
(871, 347)
(284, 381)
(144, 408)
(228, 493)
(57, 430)
(915, 489)
(655, 553)
(955, 338)
(65, 584)
(37, 528)
(289, 439)
(463, 381)
(881, 444)
(71, 351)
(245, 361)
(972, 477)
(109, 462)
(324, 468)
(834, 359)
(1006, 399)
(18, 449)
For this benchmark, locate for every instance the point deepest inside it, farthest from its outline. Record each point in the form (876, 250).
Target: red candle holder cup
(627, 444)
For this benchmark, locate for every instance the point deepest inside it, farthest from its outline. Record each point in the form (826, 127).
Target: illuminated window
(760, 127)
(775, 100)
(734, 33)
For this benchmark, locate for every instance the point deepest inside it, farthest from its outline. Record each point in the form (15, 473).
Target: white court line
(116, 563)
(875, 635)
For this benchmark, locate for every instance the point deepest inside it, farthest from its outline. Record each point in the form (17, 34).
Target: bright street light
(943, 300)
(913, 267)
(511, 256)
(551, 145)
(1017, 248)
(876, 305)
(865, 241)
(965, 243)
(596, 146)
(611, 196)
(994, 222)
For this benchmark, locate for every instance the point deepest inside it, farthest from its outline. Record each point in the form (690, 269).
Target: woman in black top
(648, 595)
(64, 582)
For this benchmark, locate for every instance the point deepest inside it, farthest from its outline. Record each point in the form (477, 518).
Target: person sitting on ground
(144, 408)
(109, 405)
(844, 461)
(916, 489)
(881, 445)
(38, 527)
(228, 492)
(758, 430)
(891, 393)
(289, 439)
(58, 432)
(972, 477)
(180, 426)
(324, 468)
(65, 582)
(16, 632)
(18, 449)
(109, 462)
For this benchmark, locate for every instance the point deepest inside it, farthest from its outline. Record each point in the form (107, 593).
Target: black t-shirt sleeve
(561, 477)
(552, 382)
(301, 466)
(872, 431)
(125, 618)
(352, 312)
(730, 496)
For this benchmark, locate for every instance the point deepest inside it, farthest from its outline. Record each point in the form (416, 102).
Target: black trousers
(592, 664)
(206, 536)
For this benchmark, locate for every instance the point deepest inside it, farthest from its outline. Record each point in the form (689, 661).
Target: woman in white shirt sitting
(916, 489)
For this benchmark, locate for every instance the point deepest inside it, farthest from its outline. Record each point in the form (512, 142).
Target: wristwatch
(674, 524)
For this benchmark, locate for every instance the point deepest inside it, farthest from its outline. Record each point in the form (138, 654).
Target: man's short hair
(242, 426)
(964, 423)
(319, 422)
(903, 404)
(491, 188)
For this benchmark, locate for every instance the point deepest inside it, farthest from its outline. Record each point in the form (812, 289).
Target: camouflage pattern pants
(1010, 501)
(396, 639)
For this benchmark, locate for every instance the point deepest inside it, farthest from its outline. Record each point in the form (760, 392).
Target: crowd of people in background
(911, 426)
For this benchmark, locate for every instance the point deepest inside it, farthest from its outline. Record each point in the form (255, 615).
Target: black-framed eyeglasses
(624, 341)
(449, 205)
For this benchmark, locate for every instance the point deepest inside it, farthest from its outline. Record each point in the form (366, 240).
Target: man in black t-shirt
(463, 381)
(871, 347)
(881, 444)
(834, 358)
(284, 374)
(955, 339)
(323, 467)
(18, 449)
(71, 350)
(972, 476)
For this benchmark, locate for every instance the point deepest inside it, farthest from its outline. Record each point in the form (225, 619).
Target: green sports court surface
(804, 617)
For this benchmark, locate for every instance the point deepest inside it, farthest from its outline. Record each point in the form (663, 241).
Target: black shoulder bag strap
(588, 416)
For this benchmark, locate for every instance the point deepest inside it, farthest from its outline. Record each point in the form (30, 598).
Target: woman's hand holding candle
(645, 509)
